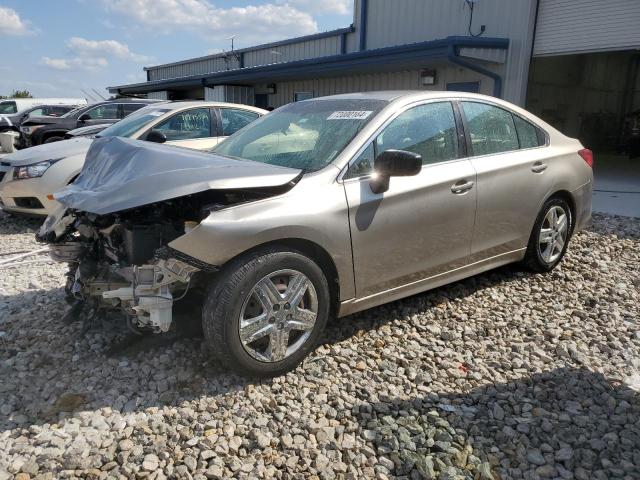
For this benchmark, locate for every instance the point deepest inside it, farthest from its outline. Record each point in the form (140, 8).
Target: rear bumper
(583, 197)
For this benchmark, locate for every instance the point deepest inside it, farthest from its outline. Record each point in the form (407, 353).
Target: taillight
(587, 156)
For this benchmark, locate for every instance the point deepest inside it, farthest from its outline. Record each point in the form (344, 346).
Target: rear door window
(492, 129)
(128, 108)
(233, 119)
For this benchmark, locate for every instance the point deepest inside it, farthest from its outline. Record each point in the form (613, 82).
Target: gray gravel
(505, 375)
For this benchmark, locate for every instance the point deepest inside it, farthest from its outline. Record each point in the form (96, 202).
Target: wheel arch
(567, 197)
(316, 253)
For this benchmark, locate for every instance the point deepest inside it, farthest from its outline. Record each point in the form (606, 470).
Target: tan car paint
(419, 234)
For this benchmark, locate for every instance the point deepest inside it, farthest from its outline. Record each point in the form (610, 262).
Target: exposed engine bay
(121, 262)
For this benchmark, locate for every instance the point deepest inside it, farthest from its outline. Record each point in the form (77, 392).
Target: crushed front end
(120, 262)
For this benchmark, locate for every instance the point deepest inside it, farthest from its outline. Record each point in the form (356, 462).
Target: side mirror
(156, 136)
(394, 163)
(84, 117)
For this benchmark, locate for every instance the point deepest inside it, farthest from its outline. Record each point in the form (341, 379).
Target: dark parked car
(13, 121)
(38, 130)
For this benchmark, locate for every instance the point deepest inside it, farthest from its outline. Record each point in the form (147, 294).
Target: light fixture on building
(428, 77)
(271, 88)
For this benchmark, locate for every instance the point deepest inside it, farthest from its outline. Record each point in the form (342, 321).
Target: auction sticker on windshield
(350, 115)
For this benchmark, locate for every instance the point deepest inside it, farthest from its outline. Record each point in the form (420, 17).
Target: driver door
(423, 225)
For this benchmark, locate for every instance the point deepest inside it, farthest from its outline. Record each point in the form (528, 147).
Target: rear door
(423, 225)
(508, 155)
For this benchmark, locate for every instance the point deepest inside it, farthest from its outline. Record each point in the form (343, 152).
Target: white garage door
(582, 26)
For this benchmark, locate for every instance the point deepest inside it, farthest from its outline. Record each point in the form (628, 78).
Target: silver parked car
(323, 207)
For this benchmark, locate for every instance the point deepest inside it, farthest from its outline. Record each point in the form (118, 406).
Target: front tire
(53, 139)
(266, 311)
(550, 236)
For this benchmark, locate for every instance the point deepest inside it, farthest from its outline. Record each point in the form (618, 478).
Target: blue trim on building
(453, 57)
(446, 48)
(363, 25)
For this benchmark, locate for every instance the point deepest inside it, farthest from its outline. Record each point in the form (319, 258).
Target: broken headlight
(34, 170)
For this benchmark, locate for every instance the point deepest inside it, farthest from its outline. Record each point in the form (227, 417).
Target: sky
(58, 48)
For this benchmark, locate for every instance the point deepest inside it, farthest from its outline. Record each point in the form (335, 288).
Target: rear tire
(550, 236)
(53, 139)
(248, 321)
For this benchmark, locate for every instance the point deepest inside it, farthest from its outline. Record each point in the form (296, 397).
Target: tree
(19, 94)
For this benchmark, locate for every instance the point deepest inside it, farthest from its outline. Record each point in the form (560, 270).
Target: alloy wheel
(553, 234)
(278, 315)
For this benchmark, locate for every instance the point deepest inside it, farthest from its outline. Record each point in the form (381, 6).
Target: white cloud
(11, 23)
(254, 24)
(336, 7)
(103, 48)
(78, 62)
(92, 54)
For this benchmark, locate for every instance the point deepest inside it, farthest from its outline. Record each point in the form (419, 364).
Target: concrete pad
(617, 185)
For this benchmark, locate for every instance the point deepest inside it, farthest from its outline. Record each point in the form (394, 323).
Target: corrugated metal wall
(230, 93)
(295, 51)
(163, 95)
(403, 80)
(197, 67)
(573, 26)
(408, 21)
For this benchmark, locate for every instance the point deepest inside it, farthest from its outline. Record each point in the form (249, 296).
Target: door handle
(539, 167)
(462, 186)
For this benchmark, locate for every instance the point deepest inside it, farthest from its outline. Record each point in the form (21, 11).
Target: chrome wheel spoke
(302, 320)
(561, 226)
(560, 243)
(298, 285)
(267, 293)
(255, 328)
(278, 344)
(546, 235)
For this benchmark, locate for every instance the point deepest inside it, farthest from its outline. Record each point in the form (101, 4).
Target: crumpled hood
(48, 151)
(121, 173)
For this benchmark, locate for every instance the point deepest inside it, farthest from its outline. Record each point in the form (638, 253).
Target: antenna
(98, 93)
(90, 97)
(231, 38)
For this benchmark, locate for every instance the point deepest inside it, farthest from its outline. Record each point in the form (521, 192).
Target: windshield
(8, 107)
(134, 122)
(305, 135)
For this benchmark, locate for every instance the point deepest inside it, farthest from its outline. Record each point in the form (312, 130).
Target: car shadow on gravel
(12, 224)
(567, 422)
(340, 329)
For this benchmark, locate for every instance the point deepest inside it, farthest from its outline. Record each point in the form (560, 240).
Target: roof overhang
(388, 58)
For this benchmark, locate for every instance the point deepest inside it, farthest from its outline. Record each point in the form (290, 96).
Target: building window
(299, 96)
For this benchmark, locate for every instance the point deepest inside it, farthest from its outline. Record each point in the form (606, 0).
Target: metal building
(573, 62)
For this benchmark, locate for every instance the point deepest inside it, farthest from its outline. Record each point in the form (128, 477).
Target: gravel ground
(505, 375)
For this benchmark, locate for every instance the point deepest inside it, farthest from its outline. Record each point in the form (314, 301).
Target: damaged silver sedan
(323, 207)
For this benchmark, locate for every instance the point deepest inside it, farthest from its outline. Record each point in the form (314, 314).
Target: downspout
(452, 56)
(363, 25)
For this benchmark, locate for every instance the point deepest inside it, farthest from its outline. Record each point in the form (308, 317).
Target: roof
(347, 63)
(179, 104)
